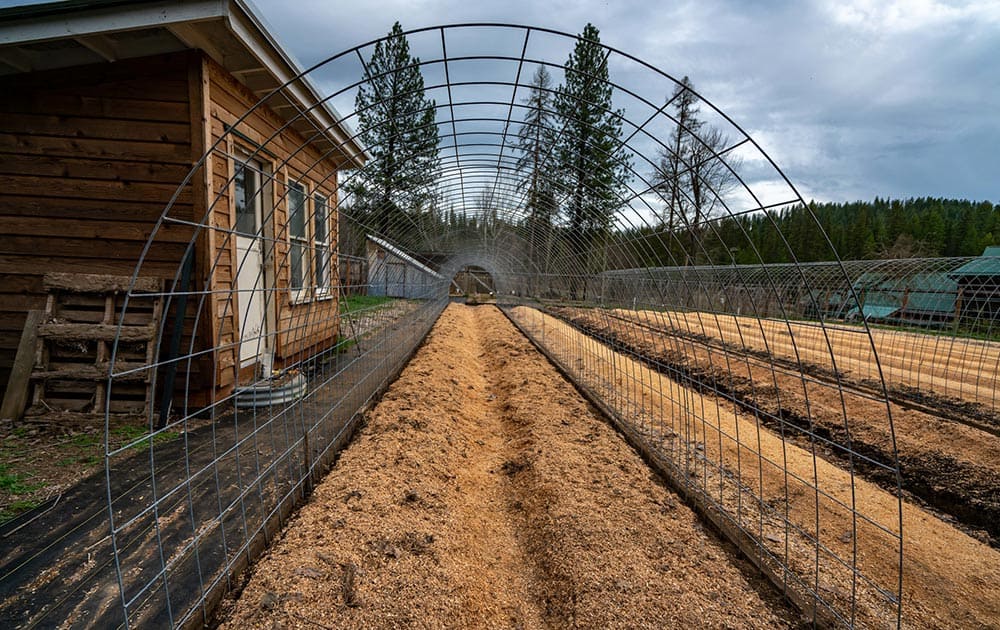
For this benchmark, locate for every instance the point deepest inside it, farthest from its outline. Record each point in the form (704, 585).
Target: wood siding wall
(300, 327)
(88, 159)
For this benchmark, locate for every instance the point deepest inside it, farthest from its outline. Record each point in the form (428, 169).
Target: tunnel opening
(472, 281)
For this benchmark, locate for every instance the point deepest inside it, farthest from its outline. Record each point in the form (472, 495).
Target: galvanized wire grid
(737, 378)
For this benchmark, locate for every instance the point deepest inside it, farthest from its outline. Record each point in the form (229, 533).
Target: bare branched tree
(691, 177)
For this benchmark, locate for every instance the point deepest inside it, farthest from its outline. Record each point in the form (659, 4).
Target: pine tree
(397, 125)
(592, 169)
(536, 142)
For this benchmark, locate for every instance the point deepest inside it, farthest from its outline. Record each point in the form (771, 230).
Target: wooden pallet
(74, 340)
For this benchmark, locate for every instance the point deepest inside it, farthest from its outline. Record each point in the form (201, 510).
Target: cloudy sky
(852, 98)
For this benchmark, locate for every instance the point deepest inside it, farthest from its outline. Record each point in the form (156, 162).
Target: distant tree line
(860, 230)
(897, 228)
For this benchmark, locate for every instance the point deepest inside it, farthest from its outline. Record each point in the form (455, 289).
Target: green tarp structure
(986, 265)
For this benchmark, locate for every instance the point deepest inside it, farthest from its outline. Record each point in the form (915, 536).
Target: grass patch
(358, 302)
(14, 483)
(84, 440)
(129, 432)
(17, 507)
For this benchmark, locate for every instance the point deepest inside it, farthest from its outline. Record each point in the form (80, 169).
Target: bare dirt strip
(938, 368)
(952, 467)
(790, 499)
(485, 493)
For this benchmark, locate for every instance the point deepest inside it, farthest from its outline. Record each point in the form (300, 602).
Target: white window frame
(298, 244)
(322, 287)
(303, 248)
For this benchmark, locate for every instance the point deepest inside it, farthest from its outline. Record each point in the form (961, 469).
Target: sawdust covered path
(484, 492)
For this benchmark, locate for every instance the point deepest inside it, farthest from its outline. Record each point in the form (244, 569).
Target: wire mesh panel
(932, 338)
(618, 218)
(258, 362)
(261, 363)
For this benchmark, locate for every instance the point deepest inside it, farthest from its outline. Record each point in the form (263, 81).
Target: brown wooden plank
(14, 283)
(15, 397)
(154, 88)
(18, 263)
(86, 249)
(20, 302)
(92, 189)
(88, 168)
(103, 128)
(94, 372)
(92, 332)
(132, 318)
(9, 338)
(96, 106)
(168, 233)
(95, 148)
(97, 209)
(96, 283)
(203, 336)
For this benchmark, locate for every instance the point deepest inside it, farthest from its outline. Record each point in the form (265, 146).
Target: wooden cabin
(104, 108)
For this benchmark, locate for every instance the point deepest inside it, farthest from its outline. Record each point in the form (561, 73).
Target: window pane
(297, 255)
(296, 211)
(246, 199)
(320, 214)
(322, 267)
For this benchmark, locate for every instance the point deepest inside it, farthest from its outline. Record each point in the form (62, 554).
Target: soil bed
(952, 467)
(837, 532)
(484, 492)
(958, 373)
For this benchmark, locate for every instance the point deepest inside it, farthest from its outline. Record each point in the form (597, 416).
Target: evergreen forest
(861, 230)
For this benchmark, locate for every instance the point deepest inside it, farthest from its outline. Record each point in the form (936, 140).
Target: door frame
(261, 363)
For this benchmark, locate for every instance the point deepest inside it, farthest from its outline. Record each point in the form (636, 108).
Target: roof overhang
(398, 253)
(231, 32)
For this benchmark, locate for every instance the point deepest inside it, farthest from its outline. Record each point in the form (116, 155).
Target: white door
(251, 283)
